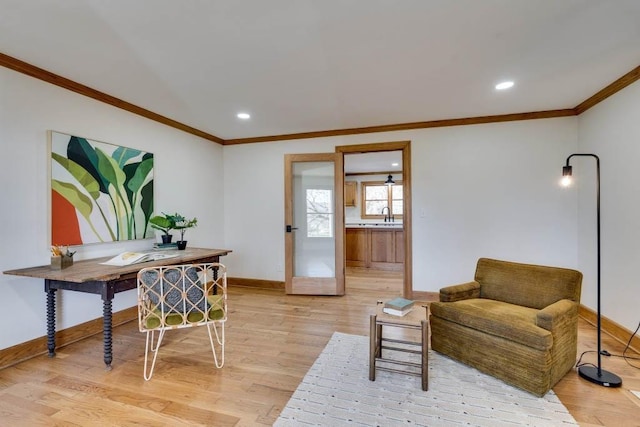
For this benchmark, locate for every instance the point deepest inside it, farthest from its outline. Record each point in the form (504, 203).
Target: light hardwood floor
(272, 340)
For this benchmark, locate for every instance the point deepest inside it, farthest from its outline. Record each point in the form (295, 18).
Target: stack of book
(398, 306)
(165, 246)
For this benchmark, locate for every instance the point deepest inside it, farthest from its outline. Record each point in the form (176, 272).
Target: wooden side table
(415, 319)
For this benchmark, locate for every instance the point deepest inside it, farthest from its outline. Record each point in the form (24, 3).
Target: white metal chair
(182, 296)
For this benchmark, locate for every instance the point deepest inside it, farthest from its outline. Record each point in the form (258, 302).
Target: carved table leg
(51, 321)
(106, 329)
(215, 278)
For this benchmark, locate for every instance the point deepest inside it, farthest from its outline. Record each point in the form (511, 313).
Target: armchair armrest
(557, 316)
(459, 292)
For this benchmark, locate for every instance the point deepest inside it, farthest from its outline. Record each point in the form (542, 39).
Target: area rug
(336, 391)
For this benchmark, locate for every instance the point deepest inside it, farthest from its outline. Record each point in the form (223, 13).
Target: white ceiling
(314, 65)
(381, 161)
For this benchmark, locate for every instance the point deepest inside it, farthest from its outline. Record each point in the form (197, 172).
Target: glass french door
(314, 224)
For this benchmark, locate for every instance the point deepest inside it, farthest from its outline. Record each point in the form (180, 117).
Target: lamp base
(605, 379)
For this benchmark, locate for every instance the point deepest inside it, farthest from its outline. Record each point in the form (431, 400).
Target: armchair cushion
(534, 286)
(216, 312)
(167, 289)
(509, 321)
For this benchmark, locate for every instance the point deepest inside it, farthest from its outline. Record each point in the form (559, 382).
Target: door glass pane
(314, 216)
(319, 212)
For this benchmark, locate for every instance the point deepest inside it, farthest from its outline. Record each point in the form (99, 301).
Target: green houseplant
(182, 224)
(164, 223)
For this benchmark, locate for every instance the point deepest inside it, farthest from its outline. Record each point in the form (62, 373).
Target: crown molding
(49, 77)
(408, 126)
(605, 93)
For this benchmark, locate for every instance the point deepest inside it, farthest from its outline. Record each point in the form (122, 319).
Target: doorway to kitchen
(377, 233)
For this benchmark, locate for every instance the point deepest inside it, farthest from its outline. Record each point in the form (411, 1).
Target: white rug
(336, 391)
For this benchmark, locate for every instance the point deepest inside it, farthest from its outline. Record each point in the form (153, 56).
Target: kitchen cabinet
(379, 248)
(356, 247)
(350, 193)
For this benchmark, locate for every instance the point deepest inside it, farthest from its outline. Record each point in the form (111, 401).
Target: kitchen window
(376, 196)
(320, 212)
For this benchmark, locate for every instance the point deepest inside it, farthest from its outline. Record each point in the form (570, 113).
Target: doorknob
(290, 228)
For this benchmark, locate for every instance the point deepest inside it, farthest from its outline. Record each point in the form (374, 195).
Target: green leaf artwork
(99, 192)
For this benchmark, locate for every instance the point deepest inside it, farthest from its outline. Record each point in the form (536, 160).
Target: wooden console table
(90, 276)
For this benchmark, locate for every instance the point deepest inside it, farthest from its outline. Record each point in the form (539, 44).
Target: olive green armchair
(516, 322)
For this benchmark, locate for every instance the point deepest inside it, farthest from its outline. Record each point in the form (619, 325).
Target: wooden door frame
(315, 286)
(405, 147)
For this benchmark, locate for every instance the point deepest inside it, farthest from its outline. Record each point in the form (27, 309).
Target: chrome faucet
(387, 217)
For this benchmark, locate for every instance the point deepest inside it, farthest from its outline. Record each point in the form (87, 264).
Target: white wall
(611, 130)
(188, 179)
(254, 206)
(485, 190)
(492, 191)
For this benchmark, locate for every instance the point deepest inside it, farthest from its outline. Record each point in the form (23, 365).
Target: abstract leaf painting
(99, 192)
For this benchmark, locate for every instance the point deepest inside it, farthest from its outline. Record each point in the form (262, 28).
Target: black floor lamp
(594, 374)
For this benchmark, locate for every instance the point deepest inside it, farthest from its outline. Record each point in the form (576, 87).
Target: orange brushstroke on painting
(65, 229)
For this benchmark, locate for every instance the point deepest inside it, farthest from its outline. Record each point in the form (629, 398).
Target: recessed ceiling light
(395, 164)
(243, 116)
(504, 85)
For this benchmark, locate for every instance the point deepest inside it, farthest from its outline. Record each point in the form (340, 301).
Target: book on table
(398, 306)
(165, 247)
(129, 258)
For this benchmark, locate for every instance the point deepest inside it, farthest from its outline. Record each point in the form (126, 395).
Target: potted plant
(181, 223)
(164, 223)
